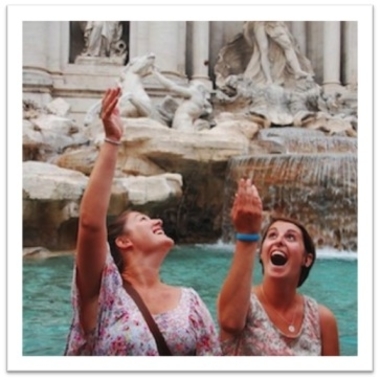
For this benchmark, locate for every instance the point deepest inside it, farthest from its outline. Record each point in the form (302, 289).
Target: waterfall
(299, 140)
(319, 190)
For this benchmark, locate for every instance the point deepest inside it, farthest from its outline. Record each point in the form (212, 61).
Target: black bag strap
(162, 347)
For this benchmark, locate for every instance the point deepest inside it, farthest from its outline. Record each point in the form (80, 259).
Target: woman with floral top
(271, 318)
(106, 320)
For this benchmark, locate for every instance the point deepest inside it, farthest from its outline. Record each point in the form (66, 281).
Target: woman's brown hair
(115, 229)
(307, 241)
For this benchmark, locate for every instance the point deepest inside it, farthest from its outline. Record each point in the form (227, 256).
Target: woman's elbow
(231, 324)
(88, 223)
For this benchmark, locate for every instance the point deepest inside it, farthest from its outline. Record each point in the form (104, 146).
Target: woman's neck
(280, 297)
(143, 275)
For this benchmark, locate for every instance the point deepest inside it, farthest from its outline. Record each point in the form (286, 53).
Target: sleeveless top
(260, 337)
(121, 329)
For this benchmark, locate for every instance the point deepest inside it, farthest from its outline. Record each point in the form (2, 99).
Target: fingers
(246, 212)
(108, 109)
(246, 191)
(109, 101)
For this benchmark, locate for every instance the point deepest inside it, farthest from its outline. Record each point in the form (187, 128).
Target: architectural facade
(55, 62)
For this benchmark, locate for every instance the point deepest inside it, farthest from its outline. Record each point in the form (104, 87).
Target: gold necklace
(291, 326)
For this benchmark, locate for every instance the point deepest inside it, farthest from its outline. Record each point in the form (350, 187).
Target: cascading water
(320, 190)
(299, 140)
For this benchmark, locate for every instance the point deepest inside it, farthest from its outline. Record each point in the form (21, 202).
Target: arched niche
(77, 38)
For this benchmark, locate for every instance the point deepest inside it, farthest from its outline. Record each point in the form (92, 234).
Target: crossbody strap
(162, 347)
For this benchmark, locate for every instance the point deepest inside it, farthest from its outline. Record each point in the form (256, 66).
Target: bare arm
(234, 298)
(329, 332)
(92, 233)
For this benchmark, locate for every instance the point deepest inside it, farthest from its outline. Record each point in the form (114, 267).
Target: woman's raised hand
(110, 114)
(247, 209)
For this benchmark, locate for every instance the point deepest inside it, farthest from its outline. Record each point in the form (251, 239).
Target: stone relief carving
(103, 39)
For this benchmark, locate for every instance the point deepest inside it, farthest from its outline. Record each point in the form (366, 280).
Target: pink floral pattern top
(121, 329)
(260, 336)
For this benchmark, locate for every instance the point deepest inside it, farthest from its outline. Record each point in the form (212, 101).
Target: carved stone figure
(103, 39)
(262, 73)
(265, 37)
(134, 102)
(196, 104)
(264, 52)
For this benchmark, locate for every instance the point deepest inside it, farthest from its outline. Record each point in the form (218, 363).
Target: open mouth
(278, 258)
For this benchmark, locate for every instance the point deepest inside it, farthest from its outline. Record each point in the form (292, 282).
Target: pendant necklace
(291, 327)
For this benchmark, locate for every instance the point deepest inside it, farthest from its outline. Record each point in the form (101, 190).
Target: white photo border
(363, 14)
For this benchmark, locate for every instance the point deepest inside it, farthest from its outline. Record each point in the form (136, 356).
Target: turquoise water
(46, 291)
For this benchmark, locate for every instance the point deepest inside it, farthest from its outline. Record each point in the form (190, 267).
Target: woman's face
(146, 234)
(283, 251)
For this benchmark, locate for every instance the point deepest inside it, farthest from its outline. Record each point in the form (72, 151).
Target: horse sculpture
(134, 101)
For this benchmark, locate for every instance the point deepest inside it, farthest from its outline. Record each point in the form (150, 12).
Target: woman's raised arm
(92, 234)
(234, 298)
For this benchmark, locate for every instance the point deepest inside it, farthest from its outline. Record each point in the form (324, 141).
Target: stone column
(65, 43)
(37, 82)
(167, 41)
(350, 54)
(139, 39)
(299, 33)
(200, 59)
(216, 43)
(314, 48)
(331, 56)
(58, 38)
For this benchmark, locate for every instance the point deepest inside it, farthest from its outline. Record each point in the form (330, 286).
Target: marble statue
(274, 51)
(196, 104)
(263, 73)
(264, 52)
(134, 101)
(103, 39)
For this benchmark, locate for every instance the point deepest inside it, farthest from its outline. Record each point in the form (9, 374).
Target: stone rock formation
(51, 201)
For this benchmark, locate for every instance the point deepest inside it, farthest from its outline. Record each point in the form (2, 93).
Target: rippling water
(46, 291)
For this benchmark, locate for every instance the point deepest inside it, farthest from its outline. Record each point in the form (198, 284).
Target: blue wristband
(248, 237)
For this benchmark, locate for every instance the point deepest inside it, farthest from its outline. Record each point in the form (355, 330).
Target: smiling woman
(295, 232)
(121, 306)
(272, 318)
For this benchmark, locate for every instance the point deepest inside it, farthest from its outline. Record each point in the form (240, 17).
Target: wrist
(112, 141)
(249, 238)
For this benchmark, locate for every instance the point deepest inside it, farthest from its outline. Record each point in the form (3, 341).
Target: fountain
(273, 124)
(320, 190)
(309, 171)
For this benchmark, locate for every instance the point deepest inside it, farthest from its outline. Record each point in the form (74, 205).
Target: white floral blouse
(121, 329)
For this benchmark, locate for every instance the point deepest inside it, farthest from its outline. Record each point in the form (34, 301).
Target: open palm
(247, 208)
(110, 114)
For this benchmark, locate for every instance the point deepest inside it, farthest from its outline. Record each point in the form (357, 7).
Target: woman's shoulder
(191, 296)
(310, 301)
(189, 292)
(325, 314)
(319, 311)
(255, 290)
